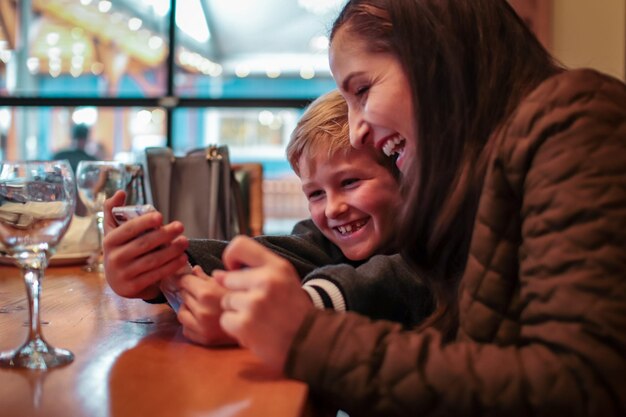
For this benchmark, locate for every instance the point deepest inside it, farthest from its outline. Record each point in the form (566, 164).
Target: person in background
(75, 153)
(515, 216)
(353, 199)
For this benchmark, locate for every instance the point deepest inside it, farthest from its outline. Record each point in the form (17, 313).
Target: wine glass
(37, 200)
(97, 181)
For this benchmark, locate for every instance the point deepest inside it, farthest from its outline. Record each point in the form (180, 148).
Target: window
(231, 72)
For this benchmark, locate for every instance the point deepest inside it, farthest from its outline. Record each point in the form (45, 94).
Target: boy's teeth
(393, 145)
(349, 228)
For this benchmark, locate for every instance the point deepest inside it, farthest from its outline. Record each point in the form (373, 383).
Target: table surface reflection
(130, 359)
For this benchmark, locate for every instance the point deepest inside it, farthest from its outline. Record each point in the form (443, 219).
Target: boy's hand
(201, 309)
(140, 252)
(170, 287)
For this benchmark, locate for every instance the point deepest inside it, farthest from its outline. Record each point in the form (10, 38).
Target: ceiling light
(78, 61)
(307, 72)
(215, 70)
(144, 117)
(266, 117)
(319, 43)
(78, 48)
(54, 71)
(54, 52)
(134, 23)
(85, 115)
(33, 64)
(5, 119)
(104, 6)
(5, 56)
(97, 68)
(54, 65)
(273, 72)
(52, 38)
(155, 42)
(242, 71)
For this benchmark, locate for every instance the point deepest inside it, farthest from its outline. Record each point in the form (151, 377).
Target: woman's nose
(358, 129)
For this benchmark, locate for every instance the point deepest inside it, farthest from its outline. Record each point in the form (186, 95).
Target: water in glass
(97, 181)
(37, 200)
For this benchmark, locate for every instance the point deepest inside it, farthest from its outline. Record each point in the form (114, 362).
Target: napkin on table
(80, 238)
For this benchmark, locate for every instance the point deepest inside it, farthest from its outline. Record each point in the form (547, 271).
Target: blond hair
(322, 127)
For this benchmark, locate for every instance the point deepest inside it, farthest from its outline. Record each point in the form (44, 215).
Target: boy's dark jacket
(383, 287)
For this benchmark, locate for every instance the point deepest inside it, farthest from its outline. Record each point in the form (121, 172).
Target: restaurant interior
(178, 74)
(188, 73)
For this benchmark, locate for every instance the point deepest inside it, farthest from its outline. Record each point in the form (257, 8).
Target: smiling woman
(380, 86)
(499, 149)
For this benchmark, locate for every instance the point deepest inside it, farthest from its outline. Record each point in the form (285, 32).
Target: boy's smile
(353, 200)
(351, 227)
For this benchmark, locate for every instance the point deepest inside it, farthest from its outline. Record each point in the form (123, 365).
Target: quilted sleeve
(563, 162)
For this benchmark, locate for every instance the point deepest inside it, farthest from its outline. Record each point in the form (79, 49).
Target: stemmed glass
(37, 200)
(97, 181)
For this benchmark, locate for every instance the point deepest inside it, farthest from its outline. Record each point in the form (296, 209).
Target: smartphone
(124, 213)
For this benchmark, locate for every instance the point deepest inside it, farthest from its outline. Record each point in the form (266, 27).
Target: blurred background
(187, 73)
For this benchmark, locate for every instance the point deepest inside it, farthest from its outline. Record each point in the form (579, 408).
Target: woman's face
(380, 108)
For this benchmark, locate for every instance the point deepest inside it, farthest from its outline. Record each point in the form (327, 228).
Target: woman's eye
(361, 90)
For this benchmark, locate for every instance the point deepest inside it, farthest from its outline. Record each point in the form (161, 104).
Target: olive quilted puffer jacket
(543, 298)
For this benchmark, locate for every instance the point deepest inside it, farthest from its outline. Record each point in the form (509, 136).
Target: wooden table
(130, 359)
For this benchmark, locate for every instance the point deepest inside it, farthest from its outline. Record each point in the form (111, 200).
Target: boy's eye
(314, 194)
(349, 181)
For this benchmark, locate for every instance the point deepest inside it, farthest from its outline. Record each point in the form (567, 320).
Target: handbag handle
(214, 158)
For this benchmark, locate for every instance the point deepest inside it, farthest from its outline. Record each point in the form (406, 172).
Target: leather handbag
(198, 189)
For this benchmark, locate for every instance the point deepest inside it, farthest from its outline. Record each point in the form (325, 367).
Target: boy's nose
(335, 207)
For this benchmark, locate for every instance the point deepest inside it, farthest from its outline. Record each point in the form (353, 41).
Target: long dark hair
(469, 63)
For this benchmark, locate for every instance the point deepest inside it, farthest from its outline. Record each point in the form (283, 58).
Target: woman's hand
(265, 305)
(201, 309)
(140, 252)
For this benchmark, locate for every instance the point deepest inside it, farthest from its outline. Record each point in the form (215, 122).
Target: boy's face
(353, 201)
